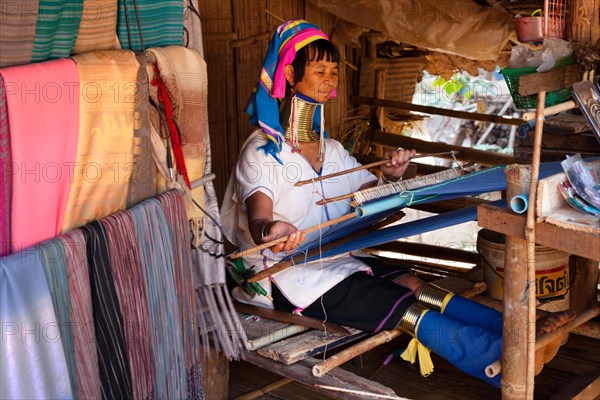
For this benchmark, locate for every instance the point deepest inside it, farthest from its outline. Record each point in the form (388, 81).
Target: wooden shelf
(579, 243)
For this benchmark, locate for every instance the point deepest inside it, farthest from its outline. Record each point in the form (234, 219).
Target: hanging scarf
(160, 23)
(184, 74)
(17, 31)
(104, 168)
(115, 374)
(5, 179)
(41, 98)
(87, 372)
(56, 29)
(97, 27)
(262, 105)
(32, 355)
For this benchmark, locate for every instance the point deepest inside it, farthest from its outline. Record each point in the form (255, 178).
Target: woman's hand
(272, 230)
(399, 160)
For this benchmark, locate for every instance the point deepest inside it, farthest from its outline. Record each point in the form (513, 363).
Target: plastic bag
(553, 51)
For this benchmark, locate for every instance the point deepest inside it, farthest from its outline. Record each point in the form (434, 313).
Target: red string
(163, 98)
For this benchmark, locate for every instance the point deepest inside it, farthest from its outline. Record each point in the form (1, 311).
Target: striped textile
(56, 29)
(17, 31)
(5, 163)
(115, 374)
(142, 181)
(161, 23)
(31, 345)
(173, 205)
(87, 373)
(53, 259)
(105, 149)
(185, 76)
(159, 257)
(131, 291)
(192, 27)
(43, 164)
(97, 27)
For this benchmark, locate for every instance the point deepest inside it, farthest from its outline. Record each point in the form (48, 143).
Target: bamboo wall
(236, 35)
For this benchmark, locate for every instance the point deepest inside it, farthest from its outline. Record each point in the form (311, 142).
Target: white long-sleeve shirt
(255, 171)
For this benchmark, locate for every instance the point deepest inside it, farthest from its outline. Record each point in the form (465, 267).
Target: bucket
(529, 29)
(551, 270)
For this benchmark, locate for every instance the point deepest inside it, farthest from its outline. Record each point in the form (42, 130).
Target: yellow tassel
(410, 354)
(414, 349)
(425, 363)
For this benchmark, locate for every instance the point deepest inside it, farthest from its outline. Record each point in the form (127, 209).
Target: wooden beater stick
(367, 166)
(283, 239)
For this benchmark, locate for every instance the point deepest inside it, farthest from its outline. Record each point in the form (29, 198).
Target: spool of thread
(379, 206)
(519, 203)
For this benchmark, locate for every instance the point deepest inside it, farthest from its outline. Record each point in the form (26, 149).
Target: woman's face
(319, 81)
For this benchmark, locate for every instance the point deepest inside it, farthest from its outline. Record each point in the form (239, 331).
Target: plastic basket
(511, 75)
(555, 18)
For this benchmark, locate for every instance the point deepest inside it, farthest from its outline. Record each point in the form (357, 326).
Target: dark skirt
(371, 303)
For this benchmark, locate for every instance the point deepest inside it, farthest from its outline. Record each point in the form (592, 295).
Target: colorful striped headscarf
(262, 105)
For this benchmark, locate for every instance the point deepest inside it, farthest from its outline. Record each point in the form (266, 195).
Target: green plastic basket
(511, 75)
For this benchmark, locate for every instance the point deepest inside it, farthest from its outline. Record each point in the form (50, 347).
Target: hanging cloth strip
(56, 29)
(156, 249)
(115, 375)
(87, 372)
(184, 75)
(142, 174)
(105, 149)
(5, 179)
(192, 27)
(97, 27)
(52, 255)
(133, 300)
(42, 164)
(31, 338)
(173, 206)
(160, 23)
(174, 133)
(17, 31)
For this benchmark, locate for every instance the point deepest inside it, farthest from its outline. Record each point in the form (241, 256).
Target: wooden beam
(436, 110)
(586, 386)
(486, 158)
(301, 372)
(583, 244)
(582, 293)
(549, 81)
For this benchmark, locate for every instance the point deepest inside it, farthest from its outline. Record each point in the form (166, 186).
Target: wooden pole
(368, 166)
(486, 158)
(530, 235)
(437, 111)
(283, 239)
(514, 339)
(264, 390)
(360, 393)
(555, 109)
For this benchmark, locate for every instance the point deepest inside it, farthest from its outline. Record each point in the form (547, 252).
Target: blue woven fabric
(471, 312)
(469, 348)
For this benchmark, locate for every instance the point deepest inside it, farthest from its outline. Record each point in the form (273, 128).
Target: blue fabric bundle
(467, 347)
